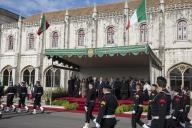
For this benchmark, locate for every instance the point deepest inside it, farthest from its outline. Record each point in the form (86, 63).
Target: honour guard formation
(127, 62)
(20, 92)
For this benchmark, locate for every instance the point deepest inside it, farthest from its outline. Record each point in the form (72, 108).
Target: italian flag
(139, 15)
(44, 25)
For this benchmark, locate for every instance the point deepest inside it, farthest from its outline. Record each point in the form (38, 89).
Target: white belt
(39, 93)
(187, 105)
(157, 117)
(10, 93)
(108, 116)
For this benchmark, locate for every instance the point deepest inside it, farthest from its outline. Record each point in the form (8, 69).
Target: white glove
(86, 109)
(97, 125)
(133, 112)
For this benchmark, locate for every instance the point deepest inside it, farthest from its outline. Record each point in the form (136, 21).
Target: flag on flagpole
(138, 16)
(44, 25)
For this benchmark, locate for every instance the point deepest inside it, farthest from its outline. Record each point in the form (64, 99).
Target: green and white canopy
(121, 56)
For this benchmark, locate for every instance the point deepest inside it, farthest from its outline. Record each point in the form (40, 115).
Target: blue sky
(30, 7)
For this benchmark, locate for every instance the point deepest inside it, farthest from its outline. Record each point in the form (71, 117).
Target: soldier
(177, 108)
(186, 106)
(1, 97)
(38, 92)
(138, 107)
(89, 106)
(153, 93)
(10, 92)
(160, 106)
(99, 88)
(22, 96)
(106, 116)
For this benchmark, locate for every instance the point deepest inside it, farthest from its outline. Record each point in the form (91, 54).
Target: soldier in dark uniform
(177, 108)
(186, 106)
(89, 106)
(22, 96)
(1, 97)
(160, 106)
(106, 116)
(151, 97)
(99, 88)
(10, 92)
(138, 108)
(38, 92)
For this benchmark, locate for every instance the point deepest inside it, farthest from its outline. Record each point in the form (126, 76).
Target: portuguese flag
(139, 15)
(44, 25)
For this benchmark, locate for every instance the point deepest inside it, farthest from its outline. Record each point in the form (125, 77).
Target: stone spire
(126, 8)
(94, 15)
(67, 16)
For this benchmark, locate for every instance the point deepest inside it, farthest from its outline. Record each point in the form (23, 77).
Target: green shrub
(72, 106)
(145, 109)
(60, 102)
(124, 108)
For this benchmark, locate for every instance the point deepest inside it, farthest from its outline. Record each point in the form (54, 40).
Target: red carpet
(81, 102)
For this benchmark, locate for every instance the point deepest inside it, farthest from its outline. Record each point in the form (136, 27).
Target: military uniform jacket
(23, 91)
(108, 106)
(11, 90)
(161, 104)
(38, 91)
(1, 91)
(91, 97)
(138, 99)
(177, 102)
(152, 95)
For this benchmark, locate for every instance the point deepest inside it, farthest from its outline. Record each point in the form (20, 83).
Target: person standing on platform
(161, 106)
(76, 87)
(89, 105)
(38, 92)
(117, 87)
(1, 98)
(10, 92)
(99, 88)
(70, 87)
(124, 89)
(106, 116)
(22, 96)
(153, 93)
(138, 108)
(83, 88)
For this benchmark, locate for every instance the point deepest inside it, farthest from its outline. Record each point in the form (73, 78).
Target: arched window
(143, 32)
(29, 75)
(182, 30)
(55, 38)
(110, 35)
(81, 37)
(57, 78)
(10, 43)
(7, 76)
(31, 41)
(53, 77)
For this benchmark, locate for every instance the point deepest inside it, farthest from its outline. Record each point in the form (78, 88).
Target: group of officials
(20, 91)
(165, 110)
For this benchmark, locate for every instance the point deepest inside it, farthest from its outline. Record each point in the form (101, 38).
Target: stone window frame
(56, 78)
(80, 37)
(10, 46)
(110, 33)
(28, 41)
(56, 45)
(182, 27)
(144, 31)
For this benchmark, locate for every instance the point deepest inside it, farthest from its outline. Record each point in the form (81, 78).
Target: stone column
(67, 30)
(18, 52)
(162, 34)
(126, 18)
(36, 73)
(95, 27)
(14, 75)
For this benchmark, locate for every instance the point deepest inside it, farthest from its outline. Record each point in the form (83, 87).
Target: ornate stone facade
(168, 31)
